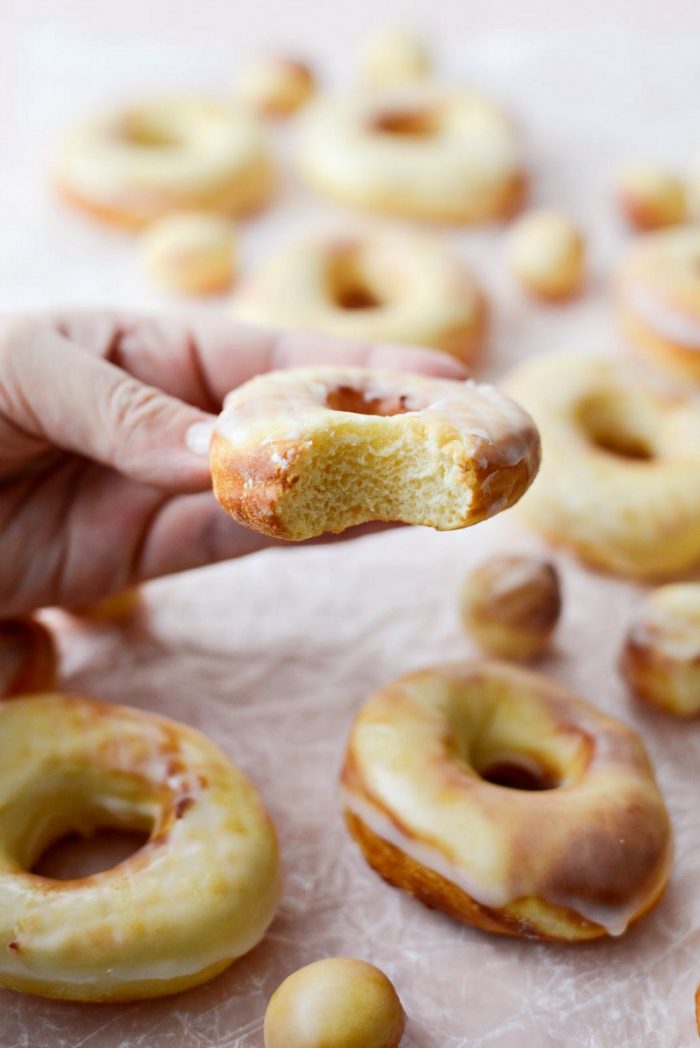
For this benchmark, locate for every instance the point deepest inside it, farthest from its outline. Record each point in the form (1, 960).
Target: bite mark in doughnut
(658, 298)
(379, 284)
(199, 894)
(620, 479)
(300, 452)
(417, 150)
(495, 795)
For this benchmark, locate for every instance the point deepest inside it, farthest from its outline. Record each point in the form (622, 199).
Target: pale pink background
(273, 655)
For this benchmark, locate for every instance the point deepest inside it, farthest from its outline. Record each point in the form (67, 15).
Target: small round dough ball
(511, 604)
(661, 655)
(546, 254)
(339, 1001)
(394, 56)
(651, 198)
(191, 253)
(276, 85)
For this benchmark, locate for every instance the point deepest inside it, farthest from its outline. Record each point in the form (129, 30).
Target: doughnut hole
(142, 130)
(407, 123)
(650, 197)
(349, 286)
(339, 1001)
(394, 56)
(511, 604)
(190, 252)
(359, 402)
(277, 85)
(74, 855)
(546, 254)
(626, 427)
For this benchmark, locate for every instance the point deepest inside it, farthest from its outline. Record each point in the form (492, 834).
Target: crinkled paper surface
(272, 656)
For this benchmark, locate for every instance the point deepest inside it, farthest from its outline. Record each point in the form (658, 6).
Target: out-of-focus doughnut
(421, 151)
(133, 165)
(190, 252)
(546, 255)
(394, 56)
(620, 477)
(299, 452)
(661, 656)
(658, 298)
(277, 85)
(383, 285)
(650, 197)
(339, 1002)
(511, 604)
(493, 794)
(200, 893)
(28, 658)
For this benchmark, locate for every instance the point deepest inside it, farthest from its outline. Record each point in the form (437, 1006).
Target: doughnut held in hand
(339, 1001)
(511, 604)
(658, 299)
(384, 285)
(300, 452)
(133, 165)
(620, 477)
(420, 151)
(28, 658)
(200, 893)
(495, 795)
(661, 656)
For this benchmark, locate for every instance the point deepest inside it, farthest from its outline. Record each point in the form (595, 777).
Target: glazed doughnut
(340, 1002)
(661, 656)
(511, 604)
(493, 794)
(28, 658)
(200, 893)
(419, 150)
(300, 452)
(658, 298)
(650, 197)
(546, 255)
(620, 479)
(277, 86)
(393, 56)
(190, 252)
(382, 285)
(133, 165)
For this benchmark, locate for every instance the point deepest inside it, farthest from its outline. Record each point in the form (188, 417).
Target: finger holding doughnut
(200, 893)
(495, 795)
(298, 453)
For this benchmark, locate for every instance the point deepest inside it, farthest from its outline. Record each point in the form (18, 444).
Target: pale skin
(104, 429)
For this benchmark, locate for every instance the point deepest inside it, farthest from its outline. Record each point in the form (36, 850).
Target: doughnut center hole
(406, 123)
(358, 402)
(75, 855)
(137, 130)
(619, 426)
(515, 776)
(347, 285)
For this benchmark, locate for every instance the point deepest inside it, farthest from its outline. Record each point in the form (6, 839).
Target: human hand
(104, 430)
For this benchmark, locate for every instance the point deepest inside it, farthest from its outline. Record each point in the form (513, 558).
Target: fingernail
(198, 437)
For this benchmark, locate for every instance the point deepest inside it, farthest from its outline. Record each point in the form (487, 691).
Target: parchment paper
(273, 655)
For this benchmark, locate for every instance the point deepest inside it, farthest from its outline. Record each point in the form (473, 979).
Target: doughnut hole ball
(511, 604)
(277, 85)
(393, 56)
(190, 253)
(546, 255)
(650, 197)
(339, 1001)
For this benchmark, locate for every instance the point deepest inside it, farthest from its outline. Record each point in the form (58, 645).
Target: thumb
(56, 392)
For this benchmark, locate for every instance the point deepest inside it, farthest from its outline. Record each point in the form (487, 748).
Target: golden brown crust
(670, 355)
(28, 658)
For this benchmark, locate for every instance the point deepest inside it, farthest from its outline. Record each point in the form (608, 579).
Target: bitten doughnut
(419, 150)
(296, 453)
(495, 795)
(200, 893)
(28, 658)
(620, 477)
(511, 604)
(394, 56)
(276, 85)
(658, 298)
(650, 197)
(383, 285)
(339, 1002)
(132, 165)
(546, 255)
(661, 655)
(190, 252)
